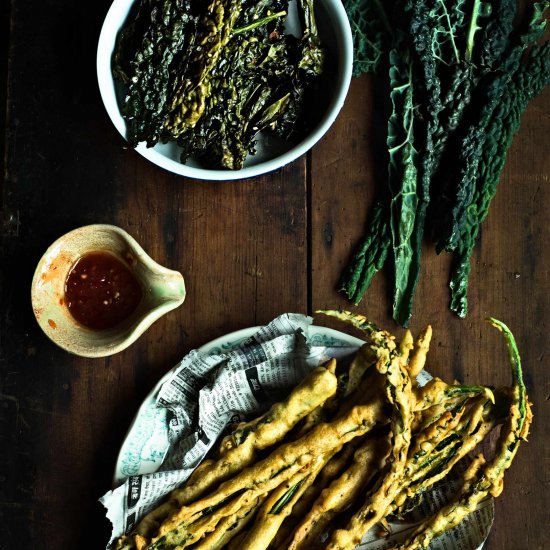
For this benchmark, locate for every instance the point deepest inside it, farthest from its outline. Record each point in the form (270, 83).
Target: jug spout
(167, 287)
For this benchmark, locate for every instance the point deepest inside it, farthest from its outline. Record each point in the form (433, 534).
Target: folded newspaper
(206, 391)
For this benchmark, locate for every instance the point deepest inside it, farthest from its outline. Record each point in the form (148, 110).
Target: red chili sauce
(101, 291)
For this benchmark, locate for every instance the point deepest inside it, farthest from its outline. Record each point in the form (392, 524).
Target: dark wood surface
(249, 250)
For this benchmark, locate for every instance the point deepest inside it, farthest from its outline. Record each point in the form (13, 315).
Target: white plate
(134, 458)
(272, 153)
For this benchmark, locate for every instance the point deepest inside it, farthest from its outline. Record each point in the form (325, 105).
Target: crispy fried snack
(241, 447)
(334, 468)
(230, 527)
(368, 459)
(483, 479)
(279, 506)
(270, 472)
(399, 394)
(440, 447)
(421, 348)
(365, 432)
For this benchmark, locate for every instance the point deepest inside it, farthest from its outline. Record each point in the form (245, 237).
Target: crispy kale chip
(212, 76)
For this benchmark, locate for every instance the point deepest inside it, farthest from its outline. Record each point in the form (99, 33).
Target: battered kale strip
(441, 452)
(267, 475)
(229, 527)
(398, 390)
(484, 478)
(386, 439)
(241, 449)
(369, 458)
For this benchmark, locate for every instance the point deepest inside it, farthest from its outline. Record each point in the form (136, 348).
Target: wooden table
(249, 251)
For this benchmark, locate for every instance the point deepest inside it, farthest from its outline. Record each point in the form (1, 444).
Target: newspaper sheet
(207, 391)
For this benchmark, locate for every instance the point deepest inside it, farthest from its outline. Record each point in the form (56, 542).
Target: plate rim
(235, 336)
(118, 477)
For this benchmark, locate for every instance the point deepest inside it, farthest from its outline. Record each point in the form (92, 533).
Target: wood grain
(241, 247)
(249, 251)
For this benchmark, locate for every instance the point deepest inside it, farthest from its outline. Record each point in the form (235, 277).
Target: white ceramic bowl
(271, 154)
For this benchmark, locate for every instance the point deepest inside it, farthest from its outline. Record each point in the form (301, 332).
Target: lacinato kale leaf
(460, 75)
(371, 32)
(457, 196)
(528, 81)
(402, 177)
(495, 37)
(261, 92)
(153, 71)
(370, 256)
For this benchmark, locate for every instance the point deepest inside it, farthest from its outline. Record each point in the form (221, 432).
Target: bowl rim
(107, 37)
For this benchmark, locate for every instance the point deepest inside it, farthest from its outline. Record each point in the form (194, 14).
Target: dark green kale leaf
(370, 256)
(402, 176)
(312, 54)
(527, 82)
(495, 38)
(154, 68)
(371, 32)
(454, 202)
(129, 39)
(213, 75)
(372, 37)
(480, 36)
(467, 82)
(434, 29)
(259, 83)
(457, 66)
(191, 96)
(240, 94)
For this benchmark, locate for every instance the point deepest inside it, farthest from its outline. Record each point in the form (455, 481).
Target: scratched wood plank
(510, 280)
(63, 418)
(4, 42)
(241, 247)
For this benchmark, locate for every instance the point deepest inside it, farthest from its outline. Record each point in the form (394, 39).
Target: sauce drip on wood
(100, 291)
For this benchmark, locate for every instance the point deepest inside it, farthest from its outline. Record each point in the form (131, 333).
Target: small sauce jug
(161, 290)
